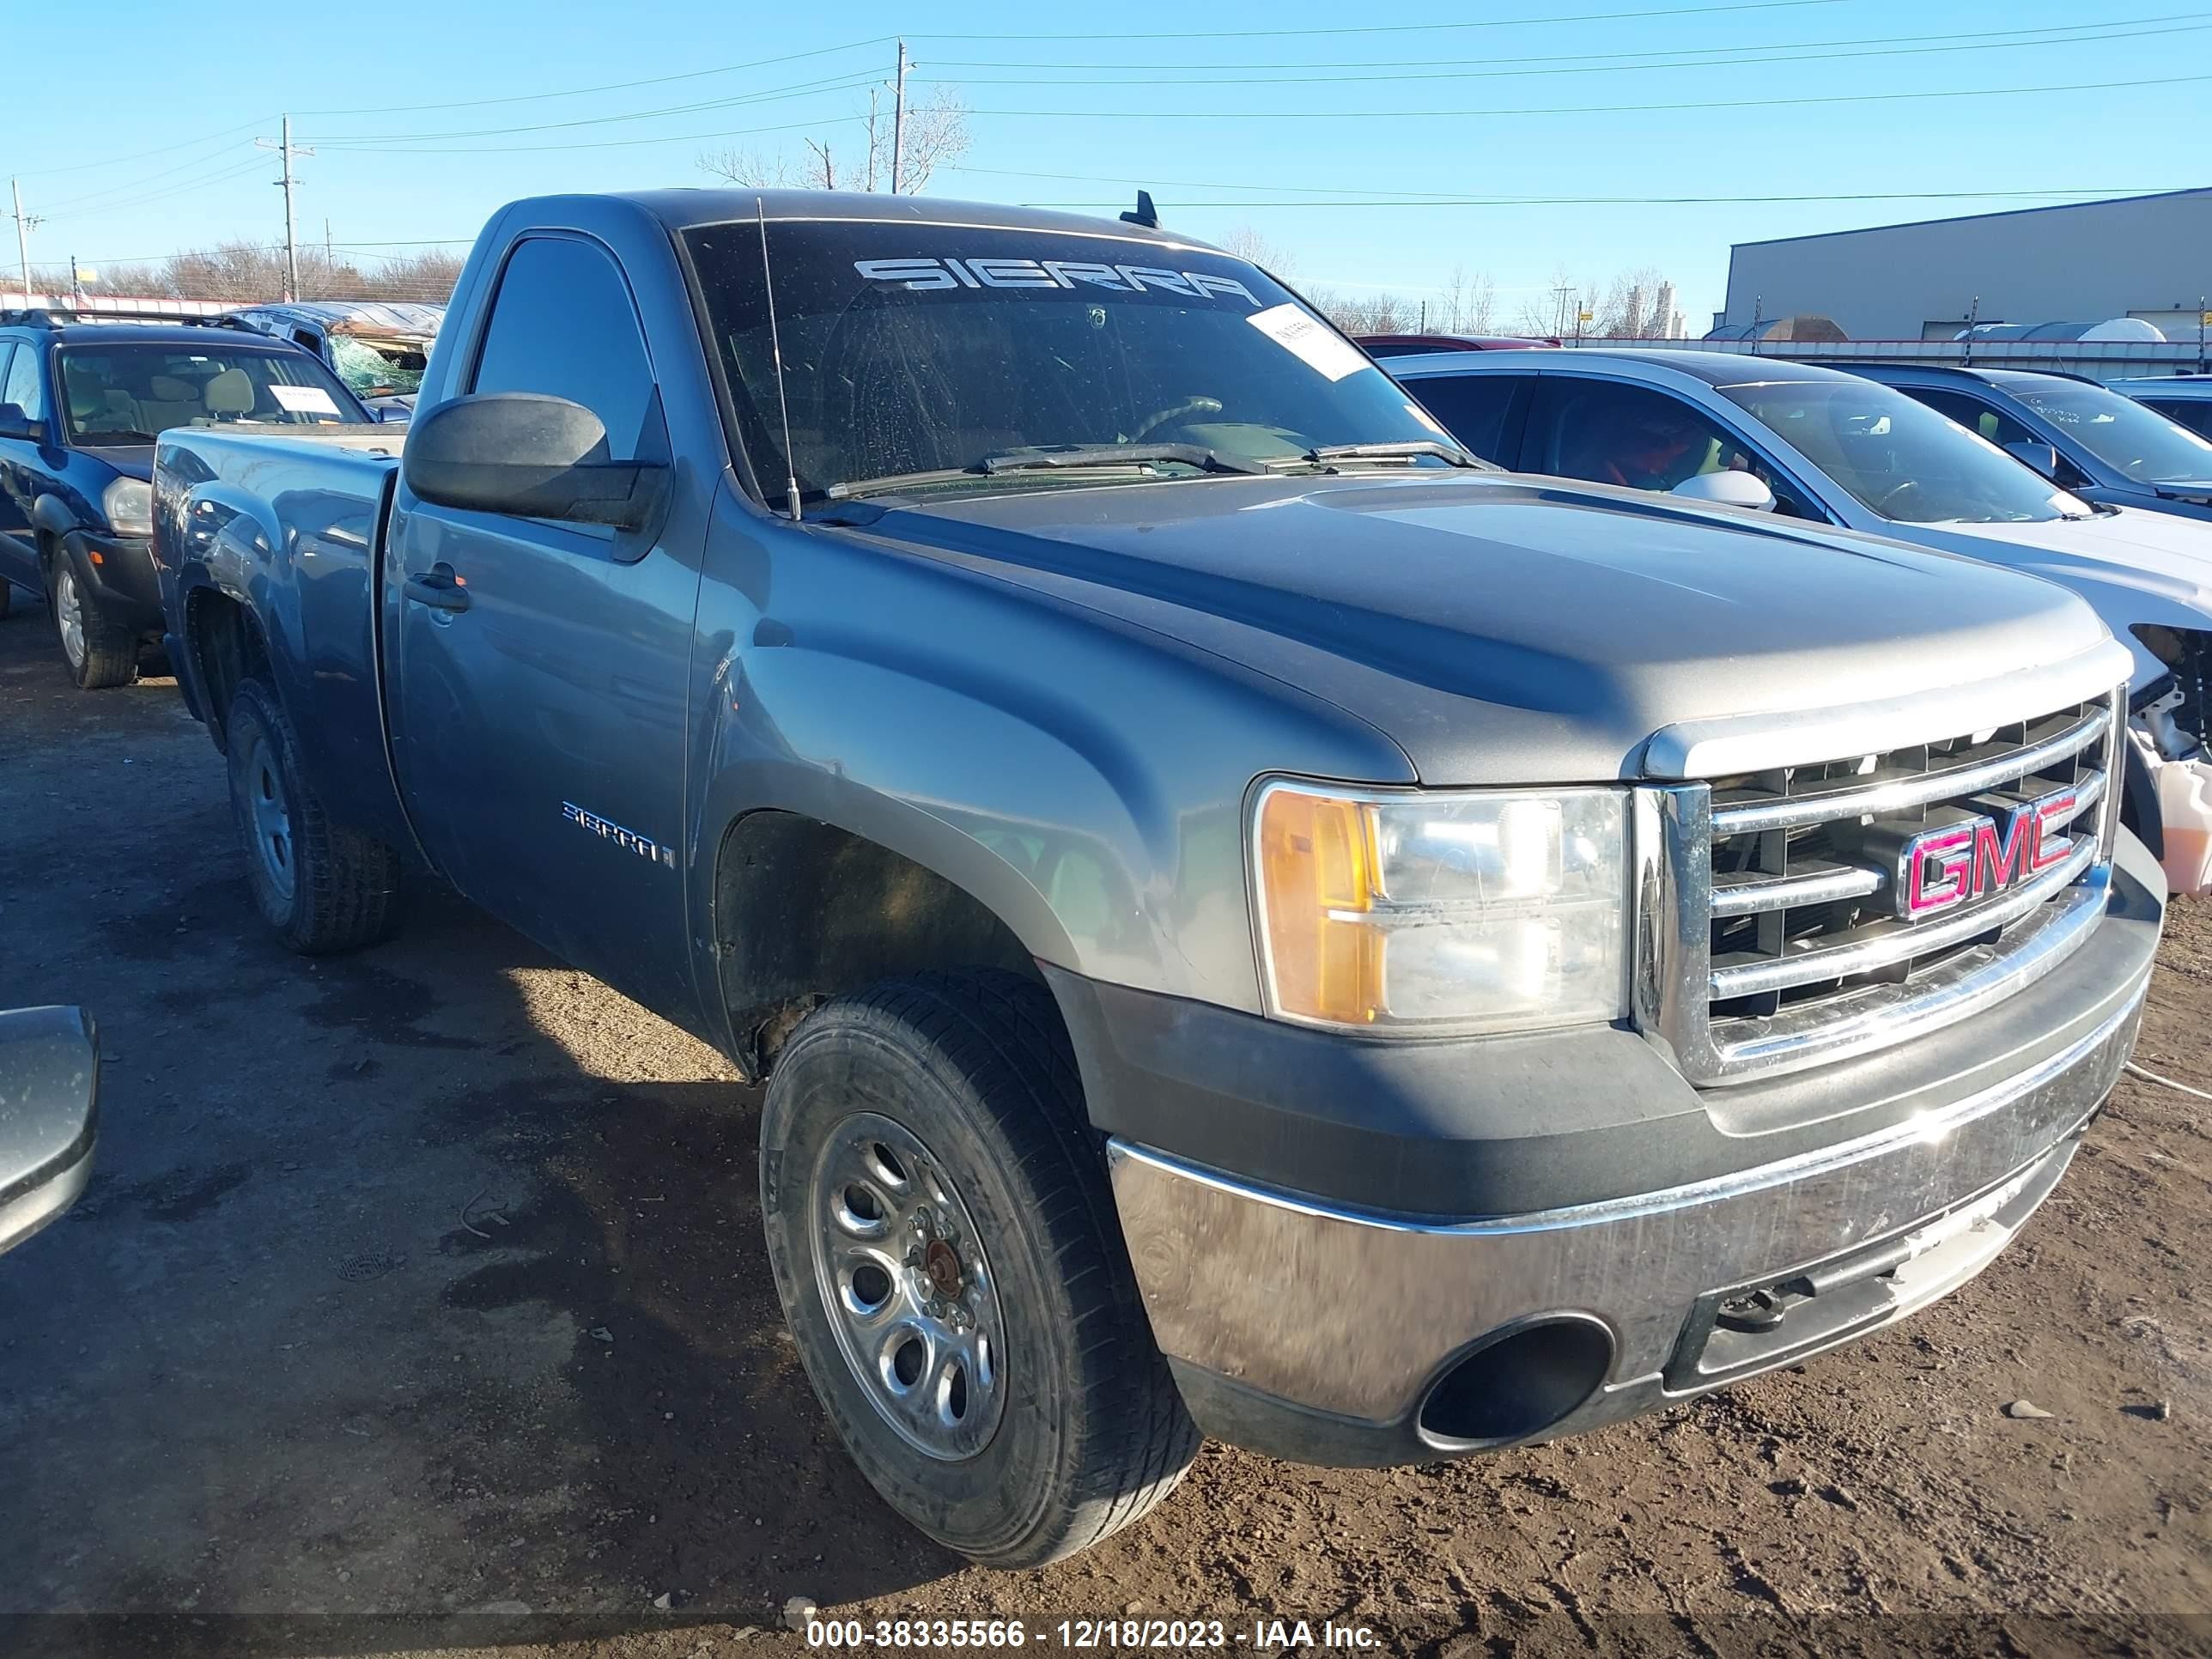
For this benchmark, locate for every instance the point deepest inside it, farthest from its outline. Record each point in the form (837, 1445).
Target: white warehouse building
(2146, 257)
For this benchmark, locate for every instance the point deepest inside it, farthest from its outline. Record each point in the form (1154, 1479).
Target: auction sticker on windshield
(304, 399)
(1306, 337)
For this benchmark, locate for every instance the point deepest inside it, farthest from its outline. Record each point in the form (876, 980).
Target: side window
(1974, 415)
(1476, 409)
(1993, 423)
(23, 387)
(2195, 413)
(6, 348)
(1612, 434)
(562, 324)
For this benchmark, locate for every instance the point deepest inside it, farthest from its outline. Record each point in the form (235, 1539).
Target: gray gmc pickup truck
(1251, 922)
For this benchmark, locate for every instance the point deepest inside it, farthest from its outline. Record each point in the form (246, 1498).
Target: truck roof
(681, 209)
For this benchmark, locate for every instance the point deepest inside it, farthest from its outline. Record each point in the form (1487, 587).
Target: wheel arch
(806, 904)
(224, 644)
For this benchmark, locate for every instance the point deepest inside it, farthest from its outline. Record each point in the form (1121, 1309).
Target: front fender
(1081, 776)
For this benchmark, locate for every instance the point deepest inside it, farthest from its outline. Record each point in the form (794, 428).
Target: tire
(320, 886)
(98, 655)
(956, 1093)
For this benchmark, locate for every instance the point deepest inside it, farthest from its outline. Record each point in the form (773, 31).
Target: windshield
(919, 349)
(379, 368)
(128, 394)
(1899, 458)
(2140, 442)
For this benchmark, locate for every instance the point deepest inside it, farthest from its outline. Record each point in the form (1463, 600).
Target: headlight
(1497, 911)
(129, 505)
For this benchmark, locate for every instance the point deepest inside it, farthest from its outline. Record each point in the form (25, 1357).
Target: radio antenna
(776, 350)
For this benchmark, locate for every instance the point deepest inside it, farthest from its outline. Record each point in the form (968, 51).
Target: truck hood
(1511, 630)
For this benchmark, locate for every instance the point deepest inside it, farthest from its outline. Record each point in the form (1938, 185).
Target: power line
(1446, 199)
(604, 143)
(1601, 57)
(140, 155)
(229, 171)
(1621, 201)
(100, 199)
(1582, 109)
(609, 86)
(846, 82)
(1325, 76)
(1404, 28)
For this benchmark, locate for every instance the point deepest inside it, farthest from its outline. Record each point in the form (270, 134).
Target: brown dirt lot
(427, 1285)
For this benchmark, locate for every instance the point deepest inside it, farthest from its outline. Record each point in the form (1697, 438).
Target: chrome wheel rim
(907, 1288)
(69, 612)
(270, 818)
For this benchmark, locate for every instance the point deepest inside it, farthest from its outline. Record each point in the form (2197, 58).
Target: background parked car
(2184, 399)
(1408, 346)
(1844, 450)
(2082, 436)
(379, 349)
(49, 1116)
(80, 405)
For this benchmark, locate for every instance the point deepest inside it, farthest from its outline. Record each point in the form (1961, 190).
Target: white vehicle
(1814, 443)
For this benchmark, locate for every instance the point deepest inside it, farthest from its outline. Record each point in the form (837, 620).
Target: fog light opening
(1518, 1383)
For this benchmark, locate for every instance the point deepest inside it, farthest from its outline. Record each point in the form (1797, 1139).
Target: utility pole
(23, 237)
(898, 123)
(285, 148)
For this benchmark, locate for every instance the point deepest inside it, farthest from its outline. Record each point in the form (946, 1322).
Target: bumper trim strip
(1925, 1128)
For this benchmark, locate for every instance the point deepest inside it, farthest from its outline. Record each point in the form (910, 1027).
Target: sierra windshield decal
(1001, 272)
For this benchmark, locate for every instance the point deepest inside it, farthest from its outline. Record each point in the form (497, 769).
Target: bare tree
(1469, 303)
(936, 135)
(249, 273)
(1247, 243)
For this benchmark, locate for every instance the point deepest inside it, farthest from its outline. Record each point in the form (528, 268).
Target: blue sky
(154, 152)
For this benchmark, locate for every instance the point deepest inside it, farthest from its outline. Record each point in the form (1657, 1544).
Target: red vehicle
(1411, 345)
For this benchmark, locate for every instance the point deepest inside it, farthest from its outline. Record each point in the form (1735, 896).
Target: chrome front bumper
(1318, 1332)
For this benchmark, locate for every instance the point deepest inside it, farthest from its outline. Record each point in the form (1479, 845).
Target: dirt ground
(420, 1301)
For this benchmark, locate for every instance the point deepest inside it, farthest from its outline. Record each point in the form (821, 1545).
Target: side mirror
(48, 1115)
(528, 456)
(1727, 489)
(14, 423)
(2044, 458)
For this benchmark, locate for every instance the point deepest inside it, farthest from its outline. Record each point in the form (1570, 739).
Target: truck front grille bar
(1769, 936)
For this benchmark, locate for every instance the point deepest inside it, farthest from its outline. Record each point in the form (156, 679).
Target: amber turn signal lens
(1317, 871)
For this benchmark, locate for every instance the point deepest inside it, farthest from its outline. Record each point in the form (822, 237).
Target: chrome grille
(1770, 930)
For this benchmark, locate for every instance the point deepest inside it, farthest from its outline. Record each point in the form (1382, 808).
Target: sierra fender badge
(644, 846)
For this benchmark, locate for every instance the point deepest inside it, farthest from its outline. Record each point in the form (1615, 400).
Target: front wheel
(942, 1233)
(322, 887)
(99, 654)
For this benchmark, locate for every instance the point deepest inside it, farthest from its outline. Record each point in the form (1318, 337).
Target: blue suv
(81, 404)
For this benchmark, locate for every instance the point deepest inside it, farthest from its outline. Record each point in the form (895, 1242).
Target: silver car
(1814, 443)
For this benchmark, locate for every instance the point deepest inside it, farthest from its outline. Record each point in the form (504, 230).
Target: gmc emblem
(1956, 863)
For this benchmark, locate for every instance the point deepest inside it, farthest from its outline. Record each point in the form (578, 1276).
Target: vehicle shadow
(412, 1303)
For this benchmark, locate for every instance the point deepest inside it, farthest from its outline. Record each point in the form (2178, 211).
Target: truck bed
(287, 524)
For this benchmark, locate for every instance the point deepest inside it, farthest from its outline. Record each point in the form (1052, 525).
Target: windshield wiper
(1071, 456)
(120, 436)
(1206, 461)
(1411, 449)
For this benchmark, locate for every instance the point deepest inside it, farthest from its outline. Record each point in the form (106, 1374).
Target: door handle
(439, 588)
